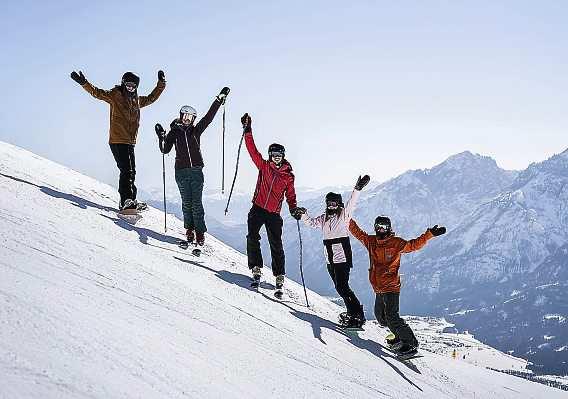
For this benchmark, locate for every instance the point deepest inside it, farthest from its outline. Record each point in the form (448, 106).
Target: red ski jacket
(272, 183)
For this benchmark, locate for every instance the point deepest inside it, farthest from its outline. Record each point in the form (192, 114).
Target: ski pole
(223, 163)
(164, 184)
(235, 176)
(301, 267)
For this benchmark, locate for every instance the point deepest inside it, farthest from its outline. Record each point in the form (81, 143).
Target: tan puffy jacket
(124, 110)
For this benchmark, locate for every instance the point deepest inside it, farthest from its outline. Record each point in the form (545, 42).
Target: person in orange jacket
(385, 250)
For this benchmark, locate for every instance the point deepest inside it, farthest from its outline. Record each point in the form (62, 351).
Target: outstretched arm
(315, 223)
(99, 94)
(417, 243)
(358, 233)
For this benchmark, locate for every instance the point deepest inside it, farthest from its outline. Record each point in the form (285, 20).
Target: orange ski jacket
(384, 257)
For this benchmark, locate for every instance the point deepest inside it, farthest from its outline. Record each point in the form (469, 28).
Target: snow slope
(91, 306)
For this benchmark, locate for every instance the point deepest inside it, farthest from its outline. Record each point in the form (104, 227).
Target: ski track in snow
(94, 307)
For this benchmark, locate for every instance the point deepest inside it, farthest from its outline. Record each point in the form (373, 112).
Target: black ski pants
(126, 162)
(340, 275)
(386, 312)
(258, 217)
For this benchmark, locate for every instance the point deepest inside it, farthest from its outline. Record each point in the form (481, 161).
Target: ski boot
(256, 274)
(278, 293)
(200, 238)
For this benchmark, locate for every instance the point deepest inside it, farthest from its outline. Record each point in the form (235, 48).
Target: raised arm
(208, 118)
(417, 243)
(154, 95)
(358, 233)
(99, 94)
(359, 185)
(350, 206)
(249, 141)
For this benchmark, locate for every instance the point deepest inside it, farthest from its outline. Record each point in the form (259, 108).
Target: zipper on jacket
(269, 191)
(187, 146)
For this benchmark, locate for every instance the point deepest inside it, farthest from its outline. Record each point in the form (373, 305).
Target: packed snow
(94, 306)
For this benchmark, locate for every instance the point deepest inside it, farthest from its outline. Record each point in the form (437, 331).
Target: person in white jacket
(334, 224)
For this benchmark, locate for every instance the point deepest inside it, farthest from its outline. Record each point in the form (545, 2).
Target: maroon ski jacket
(272, 183)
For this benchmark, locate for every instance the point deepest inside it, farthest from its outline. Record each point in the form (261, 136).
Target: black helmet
(275, 147)
(131, 78)
(383, 221)
(334, 197)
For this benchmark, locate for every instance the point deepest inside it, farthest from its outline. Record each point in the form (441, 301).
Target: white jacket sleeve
(350, 207)
(315, 223)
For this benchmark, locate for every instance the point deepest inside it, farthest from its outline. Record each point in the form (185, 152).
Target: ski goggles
(332, 205)
(130, 86)
(276, 154)
(187, 118)
(382, 226)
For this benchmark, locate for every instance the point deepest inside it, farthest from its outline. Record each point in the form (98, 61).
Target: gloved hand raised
(222, 96)
(161, 76)
(160, 132)
(246, 122)
(79, 77)
(362, 182)
(298, 212)
(437, 231)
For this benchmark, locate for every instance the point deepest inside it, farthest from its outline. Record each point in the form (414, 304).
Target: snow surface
(92, 306)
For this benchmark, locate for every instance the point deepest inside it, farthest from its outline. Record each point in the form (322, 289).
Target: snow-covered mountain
(93, 306)
(504, 268)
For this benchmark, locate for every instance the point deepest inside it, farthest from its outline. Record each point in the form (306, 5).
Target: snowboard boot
(190, 235)
(406, 351)
(140, 206)
(391, 342)
(128, 204)
(200, 238)
(279, 286)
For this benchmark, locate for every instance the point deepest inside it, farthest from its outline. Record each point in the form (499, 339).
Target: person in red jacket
(275, 180)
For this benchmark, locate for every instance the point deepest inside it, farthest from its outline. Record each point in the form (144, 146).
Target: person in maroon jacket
(275, 180)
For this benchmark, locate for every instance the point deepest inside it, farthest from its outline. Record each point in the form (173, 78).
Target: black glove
(298, 212)
(161, 76)
(247, 122)
(79, 77)
(437, 231)
(223, 94)
(160, 132)
(362, 182)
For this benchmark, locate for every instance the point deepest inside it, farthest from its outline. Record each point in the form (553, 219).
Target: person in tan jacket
(125, 104)
(385, 250)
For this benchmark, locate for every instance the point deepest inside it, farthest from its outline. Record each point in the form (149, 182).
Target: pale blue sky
(347, 87)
